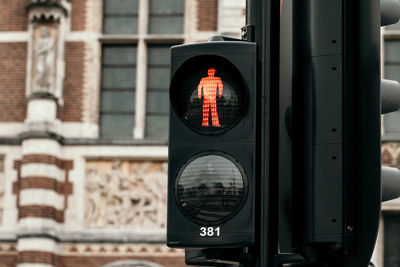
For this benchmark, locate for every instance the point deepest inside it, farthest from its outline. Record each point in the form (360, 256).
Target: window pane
(166, 6)
(118, 101)
(118, 95)
(159, 55)
(157, 101)
(120, 25)
(119, 77)
(157, 126)
(158, 78)
(121, 6)
(116, 126)
(119, 55)
(166, 24)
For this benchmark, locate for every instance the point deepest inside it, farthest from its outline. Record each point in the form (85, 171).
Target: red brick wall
(41, 211)
(78, 15)
(73, 82)
(13, 15)
(73, 261)
(207, 14)
(37, 257)
(8, 260)
(12, 81)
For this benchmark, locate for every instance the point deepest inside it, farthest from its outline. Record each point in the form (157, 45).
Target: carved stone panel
(391, 154)
(44, 58)
(125, 194)
(45, 64)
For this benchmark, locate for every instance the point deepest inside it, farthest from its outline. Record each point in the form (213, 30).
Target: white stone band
(37, 244)
(41, 197)
(40, 146)
(44, 170)
(33, 224)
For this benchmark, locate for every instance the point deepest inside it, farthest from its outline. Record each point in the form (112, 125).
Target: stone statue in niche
(126, 193)
(44, 60)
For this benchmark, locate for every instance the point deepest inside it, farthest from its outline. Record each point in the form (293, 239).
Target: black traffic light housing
(212, 171)
(336, 128)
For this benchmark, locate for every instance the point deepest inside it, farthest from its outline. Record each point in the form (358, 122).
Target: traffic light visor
(208, 94)
(211, 188)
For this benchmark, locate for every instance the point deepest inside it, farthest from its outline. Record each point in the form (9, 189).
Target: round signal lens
(211, 188)
(208, 94)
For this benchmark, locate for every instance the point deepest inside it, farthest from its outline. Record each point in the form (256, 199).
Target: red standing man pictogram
(208, 88)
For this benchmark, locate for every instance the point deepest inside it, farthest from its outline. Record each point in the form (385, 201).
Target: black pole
(264, 15)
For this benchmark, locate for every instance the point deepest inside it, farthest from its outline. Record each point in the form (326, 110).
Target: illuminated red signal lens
(208, 94)
(207, 90)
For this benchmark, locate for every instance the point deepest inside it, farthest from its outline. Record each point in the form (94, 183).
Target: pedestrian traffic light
(336, 129)
(212, 160)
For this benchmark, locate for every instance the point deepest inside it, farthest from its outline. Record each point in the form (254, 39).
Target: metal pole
(264, 14)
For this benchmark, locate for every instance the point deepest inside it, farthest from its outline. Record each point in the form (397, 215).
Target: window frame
(143, 39)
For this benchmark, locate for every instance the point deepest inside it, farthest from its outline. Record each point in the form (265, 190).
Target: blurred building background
(387, 249)
(84, 128)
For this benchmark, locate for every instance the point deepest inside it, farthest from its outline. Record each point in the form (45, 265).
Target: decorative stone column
(42, 187)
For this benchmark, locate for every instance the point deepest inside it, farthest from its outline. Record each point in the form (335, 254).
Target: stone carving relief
(44, 59)
(126, 193)
(45, 65)
(391, 154)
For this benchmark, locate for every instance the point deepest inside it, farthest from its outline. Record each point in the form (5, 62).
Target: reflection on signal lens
(210, 188)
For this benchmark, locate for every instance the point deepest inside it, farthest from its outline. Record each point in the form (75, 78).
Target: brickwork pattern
(47, 159)
(141, 252)
(78, 16)
(207, 15)
(13, 15)
(79, 261)
(37, 257)
(76, 261)
(41, 211)
(73, 83)
(8, 260)
(35, 182)
(12, 81)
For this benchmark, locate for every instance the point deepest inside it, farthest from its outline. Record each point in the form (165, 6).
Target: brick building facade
(83, 132)
(83, 128)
